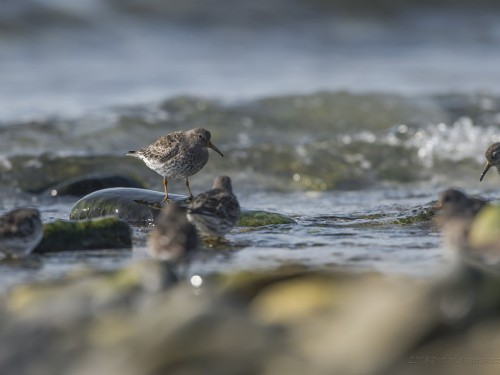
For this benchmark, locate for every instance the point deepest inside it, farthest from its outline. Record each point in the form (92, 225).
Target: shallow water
(409, 103)
(338, 229)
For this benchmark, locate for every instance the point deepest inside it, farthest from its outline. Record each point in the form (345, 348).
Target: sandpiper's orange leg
(191, 196)
(165, 187)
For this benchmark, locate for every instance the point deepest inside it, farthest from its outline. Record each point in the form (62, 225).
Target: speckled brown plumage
(215, 212)
(21, 230)
(178, 155)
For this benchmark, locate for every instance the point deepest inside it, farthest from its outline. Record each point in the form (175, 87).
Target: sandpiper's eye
(494, 154)
(200, 136)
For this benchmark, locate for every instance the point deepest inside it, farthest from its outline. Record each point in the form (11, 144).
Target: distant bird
(216, 211)
(178, 155)
(456, 213)
(174, 238)
(21, 230)
(492, 159)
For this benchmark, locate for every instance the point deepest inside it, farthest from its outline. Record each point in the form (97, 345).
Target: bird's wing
(204, 204)
(230, 203)
(164, 148)
(211, 203)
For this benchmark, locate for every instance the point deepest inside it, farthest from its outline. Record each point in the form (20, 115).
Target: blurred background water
(329, 111)
(66, 58)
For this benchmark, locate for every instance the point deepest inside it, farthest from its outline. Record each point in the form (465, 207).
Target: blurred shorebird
(456, 213)
(216, 211)
(21, 230)
(174, 238)
(492, 159)
(177, 155)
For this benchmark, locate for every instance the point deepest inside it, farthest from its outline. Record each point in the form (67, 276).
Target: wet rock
(102, 233)
(81, 186)
(132, 205)
(140, 206)
(36, 174)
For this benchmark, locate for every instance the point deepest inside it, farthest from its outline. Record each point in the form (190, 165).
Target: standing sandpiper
(177, 155)
(215, 212)
(492, 159)
(174, 238)
(21, 230)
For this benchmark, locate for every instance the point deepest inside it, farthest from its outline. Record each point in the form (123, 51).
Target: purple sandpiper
(216, 211)
(492, 159)
(21, 230)
(457, 212)
(177, 155)
(174, 238)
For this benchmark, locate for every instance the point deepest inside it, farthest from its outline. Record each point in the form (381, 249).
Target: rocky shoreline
(141, 320)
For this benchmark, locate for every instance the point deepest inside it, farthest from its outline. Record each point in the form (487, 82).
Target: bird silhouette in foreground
(174, 238)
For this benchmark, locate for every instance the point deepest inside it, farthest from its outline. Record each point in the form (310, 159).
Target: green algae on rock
(103, 233)
(417, 215)
(255, 218)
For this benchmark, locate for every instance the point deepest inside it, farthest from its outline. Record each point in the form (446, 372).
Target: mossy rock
(139, 206)
(255, 218)
(417, 215)
(102, 233)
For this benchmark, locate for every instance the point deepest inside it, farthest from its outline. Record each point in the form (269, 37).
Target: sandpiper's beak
(211, 145)
(486, 168)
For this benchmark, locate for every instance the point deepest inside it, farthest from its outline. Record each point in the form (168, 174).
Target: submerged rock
(141, 205)
(81, 186)
(256, 218)
(103, 233)
(416, 215)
